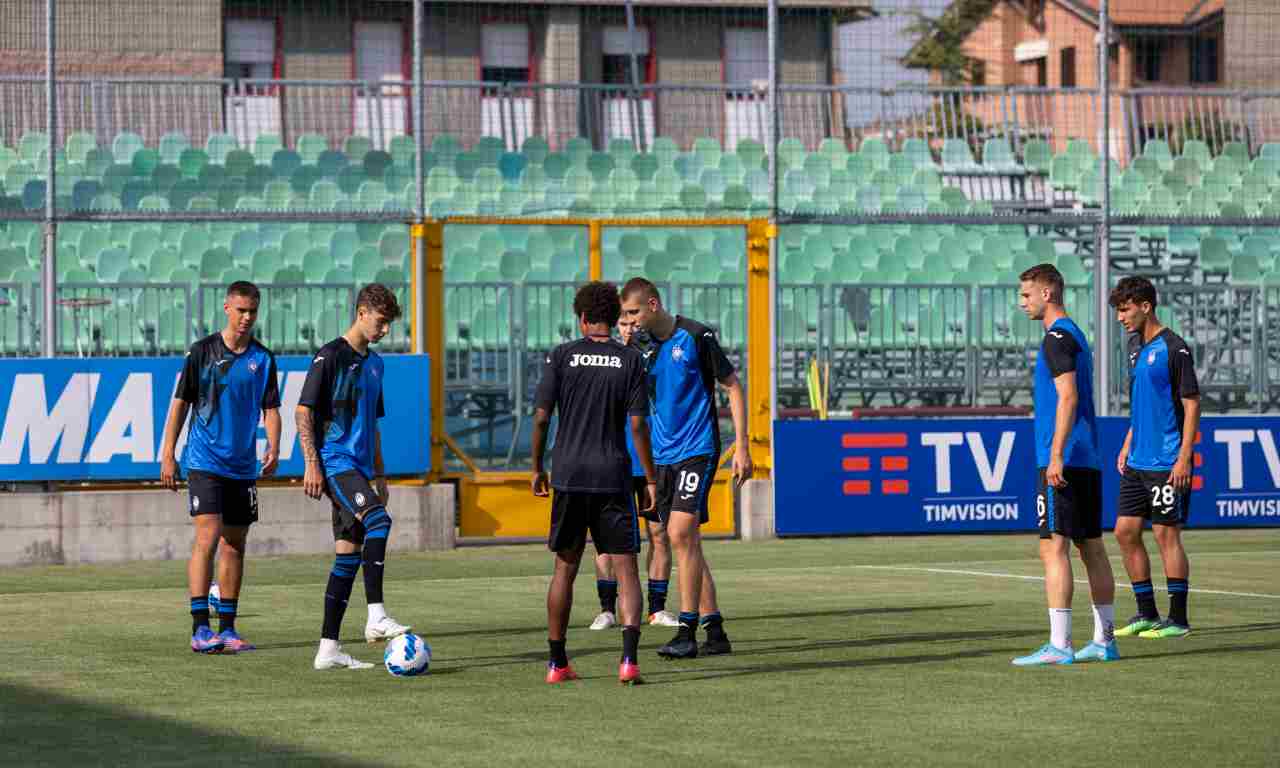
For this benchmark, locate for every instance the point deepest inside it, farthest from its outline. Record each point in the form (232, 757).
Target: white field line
(1021, 577)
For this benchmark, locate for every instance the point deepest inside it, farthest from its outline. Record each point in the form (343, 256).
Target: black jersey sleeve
(1060, 351)
(1135, 347)
(1182, 370)
(189, 382)
(637, 388)
(711, 357)
(271, 395)
(382, 409)
(317, 390)
(549, 387)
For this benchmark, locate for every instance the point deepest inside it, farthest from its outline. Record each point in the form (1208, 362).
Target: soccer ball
(214, 597)
(407, 655)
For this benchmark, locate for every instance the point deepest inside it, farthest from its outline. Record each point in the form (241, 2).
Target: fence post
(1102, 261)
(761, 343)
(595, 262)
(427, 256)
(49, 275)
(419, 110)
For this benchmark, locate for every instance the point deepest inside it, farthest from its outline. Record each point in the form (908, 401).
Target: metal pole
(419, 110)
(637, 119)
(50, 272)
(773, 215)
(1102, 265)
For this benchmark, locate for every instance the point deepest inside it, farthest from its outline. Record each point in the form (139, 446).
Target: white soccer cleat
(605, 620)
(664, 619)
(384, 629)
(338, 659)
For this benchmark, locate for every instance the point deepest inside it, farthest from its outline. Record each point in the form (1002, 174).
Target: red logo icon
(861, 462)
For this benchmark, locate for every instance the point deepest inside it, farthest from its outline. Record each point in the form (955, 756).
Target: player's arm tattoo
(306, 434)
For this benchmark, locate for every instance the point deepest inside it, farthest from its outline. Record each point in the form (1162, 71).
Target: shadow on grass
(1238, 628)
(665, 678)
(38, 727)
(1212, 650)
(855, 612)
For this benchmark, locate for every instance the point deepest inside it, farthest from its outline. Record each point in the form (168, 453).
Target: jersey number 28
(1162, 495)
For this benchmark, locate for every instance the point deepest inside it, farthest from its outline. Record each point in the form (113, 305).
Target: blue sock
(657, 595)
(607, 590)
(199, 613)
(227, 614)
(1178, 601)
(337, 592)
(377, 527)
(689, 620)
(712, 620)
(1146, 599)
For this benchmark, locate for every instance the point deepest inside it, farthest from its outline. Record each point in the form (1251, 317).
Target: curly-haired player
(597, 386)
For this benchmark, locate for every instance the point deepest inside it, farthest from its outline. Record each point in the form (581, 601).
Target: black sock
(1146, 599)
(688, 622)
(630, 643)
(607, 589)
(1178, 601)
(199, 613)
(336, 594)
(558, 656)
(377, 525)
(713, 623)
(657, 595)
(227, 614)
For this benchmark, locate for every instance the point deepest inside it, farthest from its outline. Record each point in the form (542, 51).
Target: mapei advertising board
(976, 475)
(103, 418)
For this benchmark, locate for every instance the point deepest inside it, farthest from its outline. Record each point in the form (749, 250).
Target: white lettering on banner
(1234, 438)
(130, 424)
(941, 442)
(1248, 507)
(950, 513)
(290, 394)
(992, 477)
(1268, 444)
(596, 361)
(29, 420)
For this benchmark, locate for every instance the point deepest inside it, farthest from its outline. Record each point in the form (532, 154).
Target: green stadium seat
(958, 158)
(752, 154)
(1198, 151)
(1037, 156)
(998, 157)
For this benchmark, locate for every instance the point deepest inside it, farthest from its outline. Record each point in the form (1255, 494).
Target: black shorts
(1074, 511)
(1148, 494)
(640, 489)
(684, 487)
(352, 496)
(609, 517)
(236, 500)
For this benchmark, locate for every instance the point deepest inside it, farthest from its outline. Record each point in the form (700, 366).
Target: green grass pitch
(869, 651)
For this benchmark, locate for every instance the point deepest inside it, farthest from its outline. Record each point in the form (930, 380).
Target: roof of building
(1144, 13)
(845, 5)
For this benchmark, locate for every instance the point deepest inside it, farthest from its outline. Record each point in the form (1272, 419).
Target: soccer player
(230, 378)
(337, 419)
(658, 559)
(596, 385)
(685, 362)
(1069, 499)
(1155, 462)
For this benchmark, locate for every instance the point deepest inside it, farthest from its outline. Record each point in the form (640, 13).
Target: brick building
(703, 59)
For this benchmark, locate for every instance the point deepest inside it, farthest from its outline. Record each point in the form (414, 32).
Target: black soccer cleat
(683, 646)
(716, 644)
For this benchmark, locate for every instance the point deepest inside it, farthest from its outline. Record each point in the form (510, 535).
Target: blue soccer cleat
(205, 641)
(1099, 652)
(1045, 655)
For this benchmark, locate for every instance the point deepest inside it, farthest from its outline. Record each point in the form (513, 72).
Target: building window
(1147, 54)
(746, 59)
(1042, 72)
(250, 49)
(1068, 62)
(618, 47)
(504, 54)
(977, 72)
(1204, 60)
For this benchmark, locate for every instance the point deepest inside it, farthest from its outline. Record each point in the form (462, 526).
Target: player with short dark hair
(1156, 461)
(1069, 498)
(337, 420)
(685, 363)
(597, 386)
(230, 379)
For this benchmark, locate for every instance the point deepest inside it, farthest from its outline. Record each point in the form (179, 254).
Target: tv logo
(1235, 440)
(990, 474)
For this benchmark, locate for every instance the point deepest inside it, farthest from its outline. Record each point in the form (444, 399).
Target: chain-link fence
(909, 145)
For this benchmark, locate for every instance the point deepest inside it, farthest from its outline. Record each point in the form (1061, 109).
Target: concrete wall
(117, 526)
(1252, 44)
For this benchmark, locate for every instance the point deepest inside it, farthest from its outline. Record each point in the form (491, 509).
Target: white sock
(327, 647)
(377, 612)
(1060, 628)
(1104, 624)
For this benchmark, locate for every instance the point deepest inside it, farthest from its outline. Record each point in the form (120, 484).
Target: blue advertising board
(103, 418)
(979, 475)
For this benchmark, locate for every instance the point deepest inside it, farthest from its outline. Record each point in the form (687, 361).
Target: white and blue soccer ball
(407, 655)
